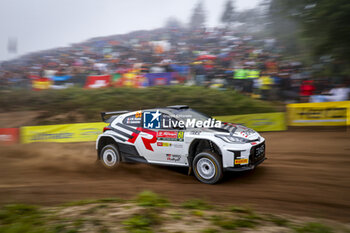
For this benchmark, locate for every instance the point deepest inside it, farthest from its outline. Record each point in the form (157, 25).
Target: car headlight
(232, 139)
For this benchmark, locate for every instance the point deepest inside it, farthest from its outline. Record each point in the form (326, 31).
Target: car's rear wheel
(110, 156)
(207, 167)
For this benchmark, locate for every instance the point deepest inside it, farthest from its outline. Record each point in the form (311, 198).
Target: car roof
(168, 108)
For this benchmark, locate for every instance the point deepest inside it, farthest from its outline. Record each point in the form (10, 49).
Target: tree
(198, 17)
(326, 24)
(251, 20)
(322, 25)
(282, 26)
(228, 14)
(173, 23)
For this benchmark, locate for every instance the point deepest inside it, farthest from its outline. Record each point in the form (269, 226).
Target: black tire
(207, 167)
(110, 156)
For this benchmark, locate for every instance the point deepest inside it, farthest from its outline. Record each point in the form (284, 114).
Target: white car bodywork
(175, 146)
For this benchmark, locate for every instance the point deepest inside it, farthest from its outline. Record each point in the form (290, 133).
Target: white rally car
(179, 136)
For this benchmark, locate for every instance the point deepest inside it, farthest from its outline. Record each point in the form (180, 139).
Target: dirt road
(306, 174)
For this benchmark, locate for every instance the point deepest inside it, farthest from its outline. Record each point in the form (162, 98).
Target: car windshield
(188, 113)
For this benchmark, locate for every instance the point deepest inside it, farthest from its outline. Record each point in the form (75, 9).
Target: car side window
(169, 122)
(133, 120)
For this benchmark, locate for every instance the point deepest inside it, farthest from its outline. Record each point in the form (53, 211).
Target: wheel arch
(200, 144)
(103, 141)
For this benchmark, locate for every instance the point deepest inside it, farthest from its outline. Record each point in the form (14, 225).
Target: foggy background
(43, 24)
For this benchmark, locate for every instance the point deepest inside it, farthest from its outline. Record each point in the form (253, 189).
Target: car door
(170, 141)
(158, 141)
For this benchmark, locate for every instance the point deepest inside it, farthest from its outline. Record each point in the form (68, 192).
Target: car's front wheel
(110, 156)
(207, 167)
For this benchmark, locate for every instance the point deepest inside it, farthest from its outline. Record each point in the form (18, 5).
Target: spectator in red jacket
(306, 90)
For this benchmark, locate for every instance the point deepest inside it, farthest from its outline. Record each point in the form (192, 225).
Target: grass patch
(150, 199)
(22, 218)
(197, 213)
(78, 223)
(232, 224)
(243, 210)
(210, 230)
(104, 230)
(176, 215)
(196, 204)
(245, 223)
(253, 216)
(86, 104)
(223, 222)
(142, 222)
(93, 209)
(96, 222)
(313, 227)
(279, 221)
(88, 202)
(98, 217)
(110, 200)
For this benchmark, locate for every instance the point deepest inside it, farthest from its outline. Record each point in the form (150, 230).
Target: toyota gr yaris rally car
(179, 136)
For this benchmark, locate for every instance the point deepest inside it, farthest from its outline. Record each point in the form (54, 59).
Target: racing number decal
(180, 135)
(138, 114)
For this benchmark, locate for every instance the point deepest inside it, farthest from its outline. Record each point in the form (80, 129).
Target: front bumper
(256, 157)
(246, 167)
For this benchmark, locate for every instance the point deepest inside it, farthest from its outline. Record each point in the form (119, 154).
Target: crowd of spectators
(217, 58)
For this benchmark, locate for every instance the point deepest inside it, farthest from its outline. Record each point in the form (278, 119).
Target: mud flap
(189, 166)
(189, 170)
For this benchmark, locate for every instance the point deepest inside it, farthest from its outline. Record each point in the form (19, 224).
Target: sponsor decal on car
(178, 146)
(164, 135)
(146, 142)
(157, 120)
(163, 144)
(247, 132)
(167, 134)
(133, 120)
(196, 132)
(174, 158)
(241, 161)
(152, 120)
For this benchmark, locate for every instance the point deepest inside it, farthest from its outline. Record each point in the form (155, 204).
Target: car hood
(237, 131)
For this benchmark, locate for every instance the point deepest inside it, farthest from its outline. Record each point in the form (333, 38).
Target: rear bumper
(245, 168)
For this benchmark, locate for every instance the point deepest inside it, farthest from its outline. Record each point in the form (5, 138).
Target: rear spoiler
(103, 114)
